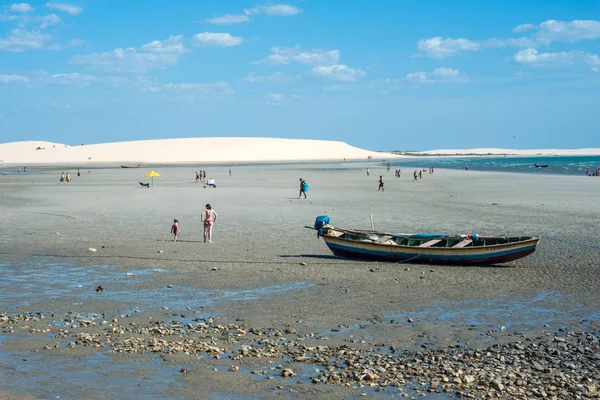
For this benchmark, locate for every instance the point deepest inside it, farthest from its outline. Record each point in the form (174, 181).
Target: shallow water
(94, 377)
(563, 165)
(519, 314)
(32, 282)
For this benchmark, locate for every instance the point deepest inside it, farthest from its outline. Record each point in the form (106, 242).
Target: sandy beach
(266, 272)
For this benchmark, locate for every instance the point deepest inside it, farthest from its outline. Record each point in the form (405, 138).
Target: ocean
(563, 165)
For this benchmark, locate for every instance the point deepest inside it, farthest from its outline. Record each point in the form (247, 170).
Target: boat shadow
(362, 260)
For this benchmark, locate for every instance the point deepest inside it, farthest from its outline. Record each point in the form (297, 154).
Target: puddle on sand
(29, 283)
(94, 377)
(514, 314)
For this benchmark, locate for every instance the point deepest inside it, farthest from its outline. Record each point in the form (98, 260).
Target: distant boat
(130, 166)
(541, 165)
(427, 248)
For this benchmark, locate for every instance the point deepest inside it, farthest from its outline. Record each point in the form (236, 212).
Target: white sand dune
(183, 151)
(531, 152)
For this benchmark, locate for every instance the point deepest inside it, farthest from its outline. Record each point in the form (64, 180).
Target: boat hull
(484, 255)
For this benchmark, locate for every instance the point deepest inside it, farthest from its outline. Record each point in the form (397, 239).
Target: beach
(266, 272)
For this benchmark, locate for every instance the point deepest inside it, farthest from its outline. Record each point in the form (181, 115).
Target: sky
(381, 75)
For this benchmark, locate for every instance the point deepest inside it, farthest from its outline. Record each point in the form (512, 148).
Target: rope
(569, 242)
(409, 259)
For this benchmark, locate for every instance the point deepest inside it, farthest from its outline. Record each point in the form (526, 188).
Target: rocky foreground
(563, 365)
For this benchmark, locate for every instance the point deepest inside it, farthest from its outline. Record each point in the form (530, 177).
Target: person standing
(368, 172)
(78, 172)
(303, 188)
(208, 217)
(68, 178)
(229, 171)
(175, 229)
(381, 188)
(62, 177)
(587, 171)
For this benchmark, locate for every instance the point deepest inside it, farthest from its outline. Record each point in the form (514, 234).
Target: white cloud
(21, 8)
(534, 58)
(72, 79)
(552, 30)
(217, 89)
(280, 10)
(277, 77)
(13, 79)
(228, 19)
(211, 39)
(68, 8)
(274, 99)
(339, 72)
(151, 56)
(524, 28)
(49, 20)
(438, 75)
(542, 34)
(438, 47)
(19, 40)
(287, 55)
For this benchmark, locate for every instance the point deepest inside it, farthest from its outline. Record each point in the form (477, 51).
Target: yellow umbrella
(152, 174)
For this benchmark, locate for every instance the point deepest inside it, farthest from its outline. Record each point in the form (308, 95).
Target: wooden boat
(428, 248)
(130, 166)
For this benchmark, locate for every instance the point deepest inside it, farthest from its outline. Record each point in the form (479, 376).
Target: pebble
(560, 365)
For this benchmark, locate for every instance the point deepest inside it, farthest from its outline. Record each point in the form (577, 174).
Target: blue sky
(381, 75)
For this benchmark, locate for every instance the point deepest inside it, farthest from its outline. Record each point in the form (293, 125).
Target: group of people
(200, 176)
(208, 218)
(66, 177)
(398, 173)
(587, 172)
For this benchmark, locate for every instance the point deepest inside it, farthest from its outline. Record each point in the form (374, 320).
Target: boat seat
(431, 243)
(464, 243)
(383, 239)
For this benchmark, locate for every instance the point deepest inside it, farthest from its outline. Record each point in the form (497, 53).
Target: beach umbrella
(152, 174)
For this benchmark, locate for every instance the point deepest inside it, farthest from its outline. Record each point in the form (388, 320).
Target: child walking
(175, 229)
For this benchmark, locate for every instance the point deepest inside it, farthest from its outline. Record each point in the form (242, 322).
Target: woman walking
(208, 217)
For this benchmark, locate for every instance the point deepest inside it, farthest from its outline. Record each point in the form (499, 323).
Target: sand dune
(182, 151)
(530, 152)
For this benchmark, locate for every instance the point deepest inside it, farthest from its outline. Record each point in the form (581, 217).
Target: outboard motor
(319, 223)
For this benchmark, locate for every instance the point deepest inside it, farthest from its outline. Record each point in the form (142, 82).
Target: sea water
(563, 165)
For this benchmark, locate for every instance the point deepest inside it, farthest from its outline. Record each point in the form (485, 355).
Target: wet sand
(261, 247)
